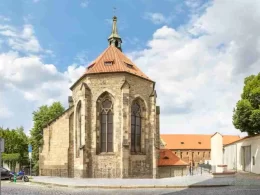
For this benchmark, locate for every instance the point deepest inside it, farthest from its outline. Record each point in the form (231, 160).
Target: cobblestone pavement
(243, 178)
(31, 189)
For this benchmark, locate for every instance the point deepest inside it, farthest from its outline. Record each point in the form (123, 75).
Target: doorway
(246, 158)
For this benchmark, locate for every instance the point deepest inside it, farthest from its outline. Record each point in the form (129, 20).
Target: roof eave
(77, 81)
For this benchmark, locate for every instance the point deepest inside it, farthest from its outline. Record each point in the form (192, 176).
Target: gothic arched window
(135, 128)
(78, 128)
(106, 119)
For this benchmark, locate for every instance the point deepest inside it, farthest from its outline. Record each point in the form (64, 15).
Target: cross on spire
(114, 10)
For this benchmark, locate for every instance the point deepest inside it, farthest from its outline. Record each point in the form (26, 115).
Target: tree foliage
(16, 146)
(246, 115)
(41, 117)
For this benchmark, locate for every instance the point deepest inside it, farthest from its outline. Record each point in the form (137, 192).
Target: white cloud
(193, 3)
(26, 82)
(199, 68)
(24, 40)
(157, 18)
(4, 112)
(84, 3)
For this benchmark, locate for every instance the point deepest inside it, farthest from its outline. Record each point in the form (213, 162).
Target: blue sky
(74, 28)
(197, 51)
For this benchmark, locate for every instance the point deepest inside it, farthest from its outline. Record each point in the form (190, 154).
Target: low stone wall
(54, 172)
(172, 171)
(97, 173)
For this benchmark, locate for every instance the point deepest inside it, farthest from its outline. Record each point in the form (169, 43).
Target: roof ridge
(132, 63)
(115, 50)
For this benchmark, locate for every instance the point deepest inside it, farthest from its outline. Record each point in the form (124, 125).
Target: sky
(197, 51)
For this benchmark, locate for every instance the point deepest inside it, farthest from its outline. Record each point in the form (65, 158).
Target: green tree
(41, 117)
(16, 144)
(246, 115)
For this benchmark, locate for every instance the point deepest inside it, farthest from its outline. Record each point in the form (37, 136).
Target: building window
(182, 142)
(106, 119)
(135, 128)
(129, 65)
(78, 129)
(187, 153)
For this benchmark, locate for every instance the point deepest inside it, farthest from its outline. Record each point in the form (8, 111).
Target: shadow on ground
(242, 183)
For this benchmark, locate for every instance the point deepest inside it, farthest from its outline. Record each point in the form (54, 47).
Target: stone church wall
(53, 159)
(59, 150)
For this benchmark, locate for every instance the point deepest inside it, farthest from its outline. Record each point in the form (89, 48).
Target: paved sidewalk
(175, 182)
(247, 179)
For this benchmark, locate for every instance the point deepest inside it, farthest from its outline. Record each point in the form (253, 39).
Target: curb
(128, 187)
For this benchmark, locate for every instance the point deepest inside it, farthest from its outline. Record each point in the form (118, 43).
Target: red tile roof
(192, 141)
(120, 63)
(168, 158)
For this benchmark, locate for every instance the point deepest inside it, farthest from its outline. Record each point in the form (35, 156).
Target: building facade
(170, 165)
(111, 128)
(192, 147)
(243, 155)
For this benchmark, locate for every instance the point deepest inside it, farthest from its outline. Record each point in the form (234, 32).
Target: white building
(216, 152)
(243, 155)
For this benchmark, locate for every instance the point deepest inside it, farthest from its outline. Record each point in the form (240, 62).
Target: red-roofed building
(170, 165)
(192, 147)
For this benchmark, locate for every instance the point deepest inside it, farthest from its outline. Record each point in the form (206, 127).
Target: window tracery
(136, 128)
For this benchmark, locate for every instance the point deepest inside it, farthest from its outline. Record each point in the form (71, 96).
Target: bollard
(15, 178)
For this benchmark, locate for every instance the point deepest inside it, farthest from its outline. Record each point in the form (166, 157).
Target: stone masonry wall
(172, 171)
(196, 155)
(54, 155)
(112, 83)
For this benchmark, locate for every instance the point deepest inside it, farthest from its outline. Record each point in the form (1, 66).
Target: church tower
(111, 129)
(114, 39)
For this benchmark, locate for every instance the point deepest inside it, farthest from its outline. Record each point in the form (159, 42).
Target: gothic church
(111, 128)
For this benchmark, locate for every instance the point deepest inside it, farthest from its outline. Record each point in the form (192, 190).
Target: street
(32, 189)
